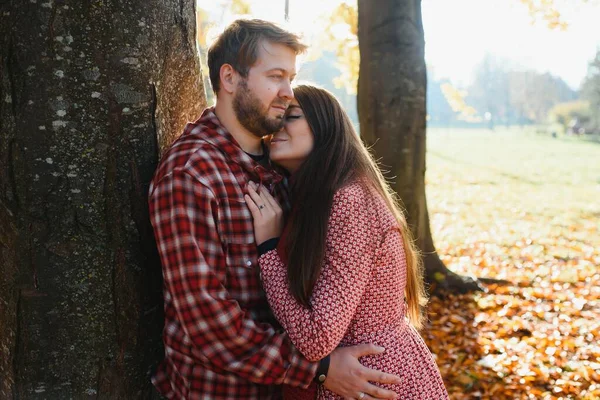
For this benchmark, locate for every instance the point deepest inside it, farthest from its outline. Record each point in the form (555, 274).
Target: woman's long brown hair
(338, 158)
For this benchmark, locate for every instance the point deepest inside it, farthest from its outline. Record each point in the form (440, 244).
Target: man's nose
(286, 90)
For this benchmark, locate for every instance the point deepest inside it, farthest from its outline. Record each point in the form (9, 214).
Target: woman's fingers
(260, 202)
(252, 206)
(266, 197)
(271, 200)
(267, 221)
(263, 199)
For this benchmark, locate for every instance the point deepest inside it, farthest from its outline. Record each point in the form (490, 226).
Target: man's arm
(182, 212)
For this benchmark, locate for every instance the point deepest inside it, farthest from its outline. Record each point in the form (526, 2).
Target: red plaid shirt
(221, 340)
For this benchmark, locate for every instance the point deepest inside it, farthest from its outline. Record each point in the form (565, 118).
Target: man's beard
(251, 113)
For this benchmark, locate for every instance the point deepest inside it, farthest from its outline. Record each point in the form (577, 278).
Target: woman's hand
(266, 211)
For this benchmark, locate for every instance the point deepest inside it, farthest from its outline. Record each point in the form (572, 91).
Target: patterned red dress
(359, 298)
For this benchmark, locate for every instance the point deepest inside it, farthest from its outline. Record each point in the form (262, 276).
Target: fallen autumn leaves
(537, 337)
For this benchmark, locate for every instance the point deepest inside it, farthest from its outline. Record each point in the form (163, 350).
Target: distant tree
(439, 111)
(590, 89)
(489, 92)
(571, 114)
(520, 94)
(513, 95)
(542, 92)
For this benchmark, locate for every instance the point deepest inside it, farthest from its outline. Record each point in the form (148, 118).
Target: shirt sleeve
(316, 332)
(183, 213)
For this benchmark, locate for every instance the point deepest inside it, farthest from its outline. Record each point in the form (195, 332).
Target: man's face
(261, 99)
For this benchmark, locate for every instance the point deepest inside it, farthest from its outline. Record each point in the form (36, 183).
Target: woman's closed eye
(292, 117)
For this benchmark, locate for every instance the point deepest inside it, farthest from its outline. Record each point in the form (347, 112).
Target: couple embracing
(289, 270)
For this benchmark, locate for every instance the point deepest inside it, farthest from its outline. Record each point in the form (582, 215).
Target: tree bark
(89, 94)
(392, 87)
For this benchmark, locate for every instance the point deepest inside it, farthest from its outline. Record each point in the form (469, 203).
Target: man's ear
(228, 77)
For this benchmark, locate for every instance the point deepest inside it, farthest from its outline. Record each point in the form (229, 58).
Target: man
(221, 341)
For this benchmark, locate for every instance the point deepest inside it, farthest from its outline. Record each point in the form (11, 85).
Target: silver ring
(261, 206)
(361, 395)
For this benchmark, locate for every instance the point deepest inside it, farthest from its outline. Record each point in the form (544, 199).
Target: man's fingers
(372, 375)
(376, 392)
(366, 349)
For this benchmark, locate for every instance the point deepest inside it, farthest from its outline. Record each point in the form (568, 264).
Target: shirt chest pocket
(237, 227)
(241, 255)
(243, 275)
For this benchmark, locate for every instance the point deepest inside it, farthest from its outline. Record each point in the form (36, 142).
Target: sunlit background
(459, 33)
(466, 41)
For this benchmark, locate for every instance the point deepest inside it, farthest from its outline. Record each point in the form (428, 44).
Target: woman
(345, 270)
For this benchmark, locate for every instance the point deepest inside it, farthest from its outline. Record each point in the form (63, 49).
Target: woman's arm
(340, 287)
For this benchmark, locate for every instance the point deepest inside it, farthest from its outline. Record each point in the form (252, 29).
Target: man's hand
(348, 378)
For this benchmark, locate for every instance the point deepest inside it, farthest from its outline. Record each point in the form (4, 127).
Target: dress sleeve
(316, 332)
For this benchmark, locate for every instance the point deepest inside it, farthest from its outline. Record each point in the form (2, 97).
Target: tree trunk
(391, 106)
(89, 93)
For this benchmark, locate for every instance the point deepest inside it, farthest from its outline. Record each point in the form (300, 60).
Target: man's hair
(239, 45)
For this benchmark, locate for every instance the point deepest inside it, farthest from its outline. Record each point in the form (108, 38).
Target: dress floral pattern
(358, 298)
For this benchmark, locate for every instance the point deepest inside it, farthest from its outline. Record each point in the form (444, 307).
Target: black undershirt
(257, 158)
(260, 159)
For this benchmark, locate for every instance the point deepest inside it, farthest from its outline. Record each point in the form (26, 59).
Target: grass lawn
(524, 208)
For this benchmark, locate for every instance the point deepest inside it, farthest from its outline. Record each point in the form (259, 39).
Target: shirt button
(249, 263)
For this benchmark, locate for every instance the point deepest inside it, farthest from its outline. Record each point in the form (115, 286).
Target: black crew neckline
(257, 158)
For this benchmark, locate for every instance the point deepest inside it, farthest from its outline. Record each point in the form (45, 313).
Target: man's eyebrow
(285, 71)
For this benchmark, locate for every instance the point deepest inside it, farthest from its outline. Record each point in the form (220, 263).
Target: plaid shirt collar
(219, 137)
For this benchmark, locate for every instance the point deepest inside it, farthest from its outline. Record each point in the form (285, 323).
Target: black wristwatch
(322, 370)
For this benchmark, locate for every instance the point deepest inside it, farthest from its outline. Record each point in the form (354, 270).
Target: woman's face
(292, 145)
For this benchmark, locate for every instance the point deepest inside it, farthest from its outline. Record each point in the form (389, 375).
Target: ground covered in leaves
(524, 209)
